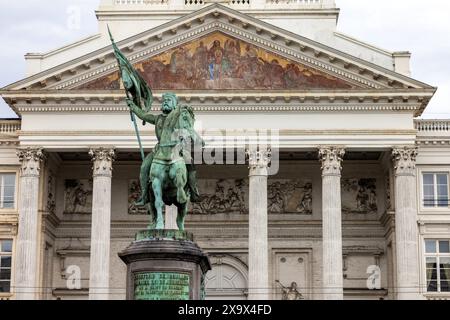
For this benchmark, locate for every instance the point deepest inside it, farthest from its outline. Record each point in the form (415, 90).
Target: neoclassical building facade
(317, 180)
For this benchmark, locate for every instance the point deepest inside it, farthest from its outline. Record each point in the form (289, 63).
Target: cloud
(412, 25)
(38, 26)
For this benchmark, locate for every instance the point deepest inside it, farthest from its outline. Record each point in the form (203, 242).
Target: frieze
(231, 196)
(222, 196)
(290, 196)
(208, 104)
(134, 193)
(359, 195)
(51, 193)
(77, 196)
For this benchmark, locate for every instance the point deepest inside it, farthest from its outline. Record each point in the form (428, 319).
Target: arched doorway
(227, 280)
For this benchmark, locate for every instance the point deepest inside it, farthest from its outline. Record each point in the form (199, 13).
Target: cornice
(49, 108)
(245, 101)
(151, 133)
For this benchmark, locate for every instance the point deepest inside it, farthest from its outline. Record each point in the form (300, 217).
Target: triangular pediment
(180, 55)
(219, 61)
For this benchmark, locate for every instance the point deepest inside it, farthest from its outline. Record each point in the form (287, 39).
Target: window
(437, 256)
(7, 190)
(5, 265)
(435, 190)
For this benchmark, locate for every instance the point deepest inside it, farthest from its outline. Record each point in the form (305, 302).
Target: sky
(421, 27)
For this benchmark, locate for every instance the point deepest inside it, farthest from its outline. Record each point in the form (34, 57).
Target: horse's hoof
(140, 203)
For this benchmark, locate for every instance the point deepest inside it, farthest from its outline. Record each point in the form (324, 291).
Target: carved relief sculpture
(291, 292)
(134, 193)
(78, 196)
(290, 196)
(51, 193)
(359, 195)
(388, 192)
(224, 196)
(231, 196)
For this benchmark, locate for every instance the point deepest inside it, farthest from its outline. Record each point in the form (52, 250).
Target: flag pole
(133, 118)
(138, 136)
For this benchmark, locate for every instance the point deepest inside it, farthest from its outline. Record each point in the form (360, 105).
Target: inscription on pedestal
(161, 286)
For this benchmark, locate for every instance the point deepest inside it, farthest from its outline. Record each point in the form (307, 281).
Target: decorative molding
(10, 126)
(331, 158)
(432, 126)
(404, 159)
(50, 206)
(30, 159)
(9, 142)
(236, 132)
(432, 142)
(49, 108)
(258, 160)
(102, 159)
(387, 190)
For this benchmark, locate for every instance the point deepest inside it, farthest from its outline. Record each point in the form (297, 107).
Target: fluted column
(170, 221)
(26, 268)
(258, 260)
(101, 223)
(406, 234)
(331, 159)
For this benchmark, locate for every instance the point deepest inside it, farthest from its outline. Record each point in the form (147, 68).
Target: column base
(165, 265)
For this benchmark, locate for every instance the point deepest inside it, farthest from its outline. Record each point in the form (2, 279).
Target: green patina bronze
(161, 286)
(167, 175)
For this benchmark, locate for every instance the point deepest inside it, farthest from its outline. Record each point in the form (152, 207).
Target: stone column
(170, 221)
(406, 234)
(26, 268)
(101, 223)
(331, 158)
(258, 260)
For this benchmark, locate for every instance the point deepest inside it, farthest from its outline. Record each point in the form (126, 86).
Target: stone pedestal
(165, 265)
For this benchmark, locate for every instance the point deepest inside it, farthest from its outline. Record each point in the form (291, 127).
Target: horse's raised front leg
(159, 203)
(182, 211)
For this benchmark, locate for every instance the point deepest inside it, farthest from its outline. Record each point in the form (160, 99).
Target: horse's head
(188, 139)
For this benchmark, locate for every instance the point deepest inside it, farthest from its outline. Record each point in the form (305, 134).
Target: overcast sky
(422, 27)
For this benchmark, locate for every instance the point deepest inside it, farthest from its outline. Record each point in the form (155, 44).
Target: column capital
(404, 159)
(30, 158)
(102, 158)
(331, 158)
(258, 160)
